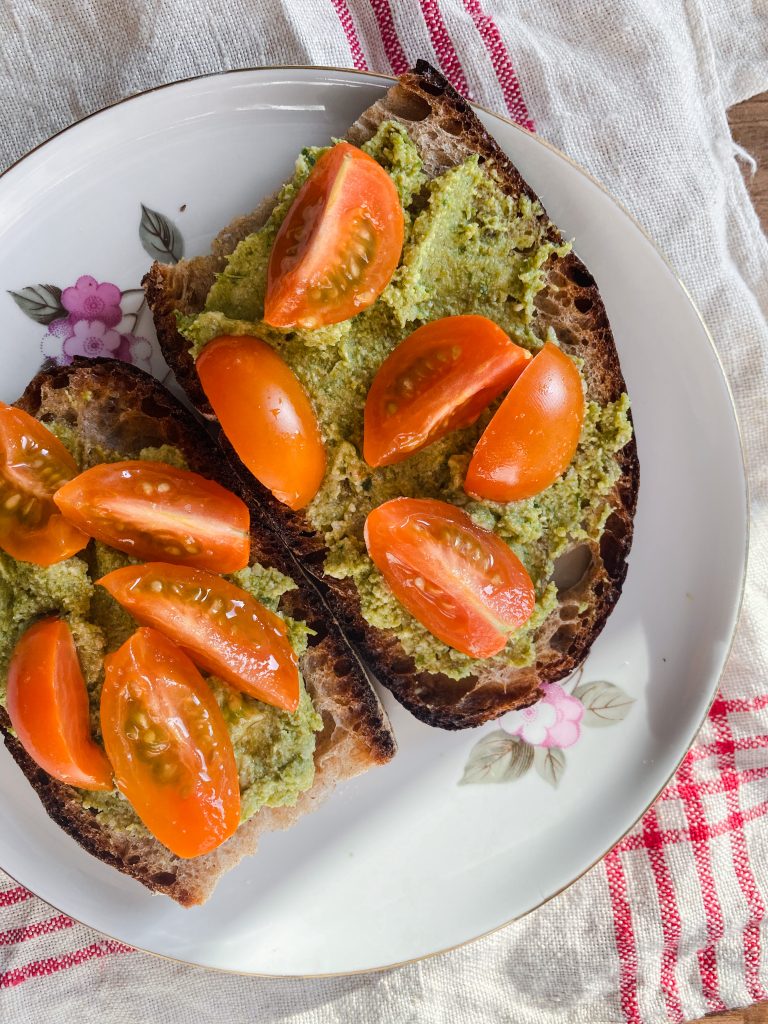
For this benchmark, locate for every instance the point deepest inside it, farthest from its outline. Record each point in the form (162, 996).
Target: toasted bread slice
(446, 132)
(113, 405)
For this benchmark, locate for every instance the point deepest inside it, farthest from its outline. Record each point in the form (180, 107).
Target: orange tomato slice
(169, 745)
(33, 465)
(154, 511)
(438, 380)
(225, 630)
(266, 414)
(339, 244)
(533, 436)
(462, 583)
(48, 707)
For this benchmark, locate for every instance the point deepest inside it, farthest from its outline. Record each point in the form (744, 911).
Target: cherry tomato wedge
(438, 380)
(154, 511)
(533, 436)
(338, 245)
(266, 414)
(462, 583)
(169, 744)
(224, 630)
(33, 465)
(48, 707)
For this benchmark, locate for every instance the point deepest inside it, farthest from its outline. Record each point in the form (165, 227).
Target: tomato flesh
(266, 414)
(33, 464)
(47, 703)
(169, 744)
(462, 583)
(339, 244)
(154, 511)
(439, 379)
(223, 629)
(533, 436)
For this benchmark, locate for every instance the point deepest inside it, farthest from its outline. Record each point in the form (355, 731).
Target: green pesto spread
(274, 750)
(469, 248)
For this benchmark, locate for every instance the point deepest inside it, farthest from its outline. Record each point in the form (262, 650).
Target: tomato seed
(166, 771)
(141, 720)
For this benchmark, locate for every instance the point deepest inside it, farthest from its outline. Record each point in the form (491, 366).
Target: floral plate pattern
(96, 318)
(538, 735)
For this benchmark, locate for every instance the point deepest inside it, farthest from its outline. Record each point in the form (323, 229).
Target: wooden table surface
(749, 124)
(757, 1014)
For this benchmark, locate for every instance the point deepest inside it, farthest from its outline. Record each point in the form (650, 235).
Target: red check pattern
(718, 794)
(21, 945)
(706, 812)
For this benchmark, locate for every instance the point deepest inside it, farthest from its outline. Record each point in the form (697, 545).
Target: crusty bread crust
(446, 131)
(115, 405)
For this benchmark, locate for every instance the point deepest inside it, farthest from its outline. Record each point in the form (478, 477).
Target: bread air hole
(564, 637)
(324, 740)
(402, 666)
(163, 878)
(566, 336)
(321, 632)
(407, 105)
(342, 666)
(580, 276)
(453, 126)
(613, 545)
(571, 568)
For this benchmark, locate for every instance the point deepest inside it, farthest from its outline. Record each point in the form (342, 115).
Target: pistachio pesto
(274, 750)
(469, 248)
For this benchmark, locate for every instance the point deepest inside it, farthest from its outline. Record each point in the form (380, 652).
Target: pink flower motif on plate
(555, 721)
(89, 300)
(52, 344)
(135, 350)
(91, 338)
(68, 337)
(61, 328)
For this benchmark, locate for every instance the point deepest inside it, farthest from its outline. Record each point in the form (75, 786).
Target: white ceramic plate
(403, 862)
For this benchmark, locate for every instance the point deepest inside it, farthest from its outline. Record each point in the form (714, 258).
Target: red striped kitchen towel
(672, 925)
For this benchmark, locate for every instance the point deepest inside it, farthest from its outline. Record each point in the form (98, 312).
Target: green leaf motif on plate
(41, 302)
(160, 236)
(549, 762)
(604, 703)
(497, 757)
